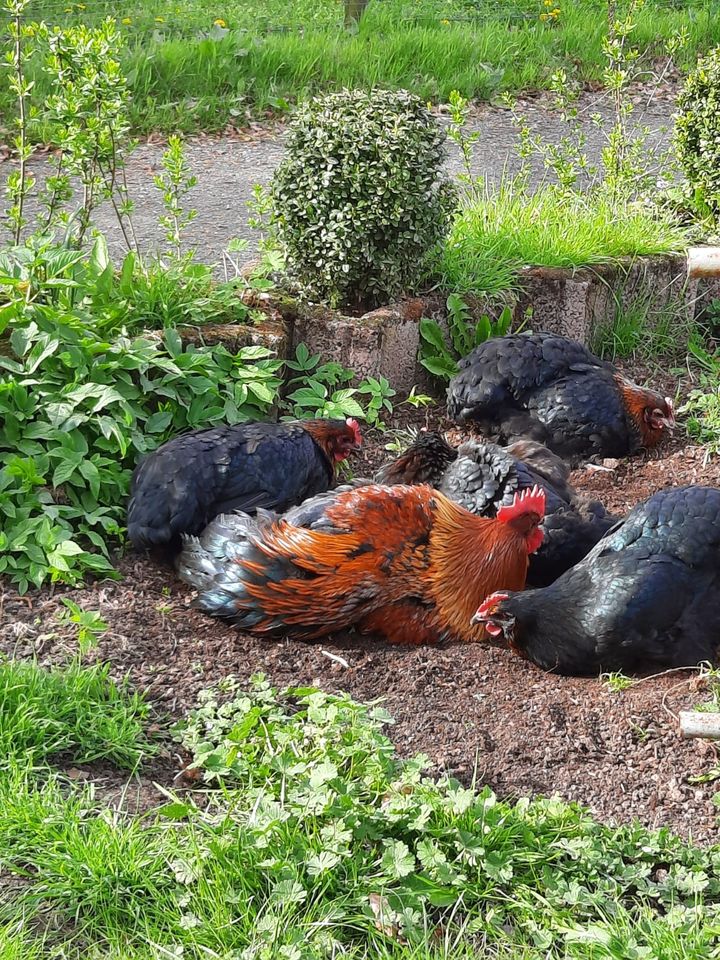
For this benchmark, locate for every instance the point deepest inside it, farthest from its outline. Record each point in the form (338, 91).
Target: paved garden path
(227, 168)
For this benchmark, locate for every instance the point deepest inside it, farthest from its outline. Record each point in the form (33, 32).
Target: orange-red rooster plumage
(404, 562)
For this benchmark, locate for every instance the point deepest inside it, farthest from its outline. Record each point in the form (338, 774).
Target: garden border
(573, 302)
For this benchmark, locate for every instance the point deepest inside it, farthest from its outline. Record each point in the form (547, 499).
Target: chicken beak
(668, 424)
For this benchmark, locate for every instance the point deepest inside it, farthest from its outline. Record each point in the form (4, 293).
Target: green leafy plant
(320, 390)
(439, 356)
(360, 200)
(87, 113)
(78, 408)
(175, 182)
(309, 837)
(90, 625)
(20, 182)
(697, 132)
(702, 408)
(617, 682)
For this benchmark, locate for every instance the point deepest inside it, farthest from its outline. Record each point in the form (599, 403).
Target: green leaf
(176, 810)
(321, 862)
(430, 331)
(440, 367)
(503, 322)
(483, 330)
(64, 471)
(91, 474)
(99, 256)
(173, 342)
(262, 391)
(158, 422)
(397, 860)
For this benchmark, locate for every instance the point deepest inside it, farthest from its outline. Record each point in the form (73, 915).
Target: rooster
(180, 487)
(483, 477)
(403, 562)
(647, 595)
(553, 390)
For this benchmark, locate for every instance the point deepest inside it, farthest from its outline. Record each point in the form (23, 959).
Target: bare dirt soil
(479, 713)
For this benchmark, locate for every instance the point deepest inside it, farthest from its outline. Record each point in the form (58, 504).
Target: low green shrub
(85, 390)
(321, 390)
(360, 200)
(697, 131)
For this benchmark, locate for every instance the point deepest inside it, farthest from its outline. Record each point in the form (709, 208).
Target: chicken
(482, 477)
(646, 597)
(551, 389)
(180, 487)
(403, 562)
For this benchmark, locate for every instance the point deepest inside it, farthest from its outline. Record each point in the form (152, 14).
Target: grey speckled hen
(646, 597)
(482, 477)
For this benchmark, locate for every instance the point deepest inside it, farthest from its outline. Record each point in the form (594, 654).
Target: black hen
(646, 597)
(553, 390)
(483, 477)
(180, 487)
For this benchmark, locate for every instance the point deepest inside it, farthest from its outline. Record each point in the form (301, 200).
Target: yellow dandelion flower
(219, 22)
(81, 6)
(446, 22)
(543, 17)
(127, 21)
(548, 3)
(159, 19)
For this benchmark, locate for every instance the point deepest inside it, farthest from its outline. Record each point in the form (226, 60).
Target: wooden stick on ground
(695, 724)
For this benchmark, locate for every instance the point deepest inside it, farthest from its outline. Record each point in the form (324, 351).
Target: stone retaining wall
(577, 303)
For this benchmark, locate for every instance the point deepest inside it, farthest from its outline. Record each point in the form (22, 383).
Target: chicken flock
(487, 542)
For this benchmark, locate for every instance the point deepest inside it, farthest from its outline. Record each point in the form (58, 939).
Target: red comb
(528, 501)
(489, 604)
(355, 427)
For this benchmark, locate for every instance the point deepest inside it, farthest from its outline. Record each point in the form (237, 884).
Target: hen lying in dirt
(180, 487)
(552, 389)
(646, 597)
(403, 562)
(483, 477)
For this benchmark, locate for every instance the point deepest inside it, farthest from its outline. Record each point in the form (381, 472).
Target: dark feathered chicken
(483, 477)
(180, 487)
(646, 597)
(403, 562)
(553, 390)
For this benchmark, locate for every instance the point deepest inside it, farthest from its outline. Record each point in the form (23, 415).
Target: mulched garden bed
(477, 712)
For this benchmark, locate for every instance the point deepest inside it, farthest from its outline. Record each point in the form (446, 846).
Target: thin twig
(22, 119)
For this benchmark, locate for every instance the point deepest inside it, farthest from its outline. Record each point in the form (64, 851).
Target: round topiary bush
(360, 200)
(697, 130)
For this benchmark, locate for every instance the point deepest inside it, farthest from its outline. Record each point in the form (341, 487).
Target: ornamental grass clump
(360, 202)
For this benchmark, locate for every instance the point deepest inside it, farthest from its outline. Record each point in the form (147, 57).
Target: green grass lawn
(199, 65)
(308, 838)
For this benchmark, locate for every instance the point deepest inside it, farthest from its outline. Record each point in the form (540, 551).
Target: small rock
(611, 463)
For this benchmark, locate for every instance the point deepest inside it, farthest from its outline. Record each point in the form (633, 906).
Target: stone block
(235, 336)
(383, 342)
